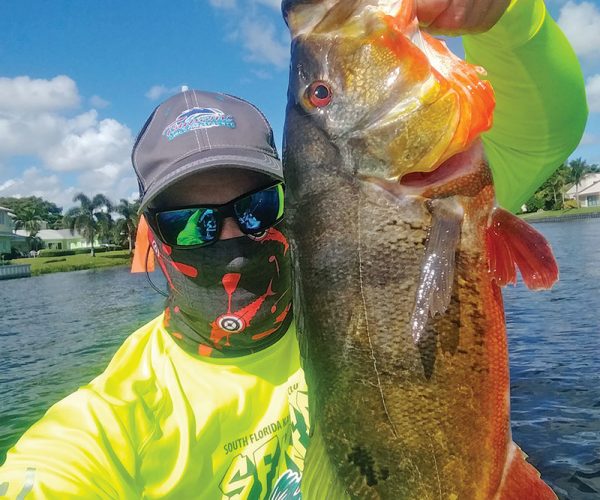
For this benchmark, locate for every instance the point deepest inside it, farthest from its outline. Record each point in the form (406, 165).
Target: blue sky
(78, 80)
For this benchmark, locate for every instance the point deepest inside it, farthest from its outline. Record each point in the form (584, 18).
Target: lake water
(59, 331)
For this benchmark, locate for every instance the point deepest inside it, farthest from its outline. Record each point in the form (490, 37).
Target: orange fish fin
(142, 261)
(521, 480)
(511, 241)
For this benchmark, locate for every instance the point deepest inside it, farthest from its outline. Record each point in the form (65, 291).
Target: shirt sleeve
(79, 449)
(541, 107)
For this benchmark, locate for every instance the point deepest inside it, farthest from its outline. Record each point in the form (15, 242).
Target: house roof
(53, 234)
(592, 189)
(588, 181)
(12, 236)
(8, 210)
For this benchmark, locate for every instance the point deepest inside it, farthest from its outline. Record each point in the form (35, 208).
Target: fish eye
(319, 94)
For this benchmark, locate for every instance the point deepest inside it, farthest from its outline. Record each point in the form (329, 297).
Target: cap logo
(198, 118)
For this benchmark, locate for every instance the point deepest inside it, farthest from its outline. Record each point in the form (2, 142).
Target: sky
(78, 80)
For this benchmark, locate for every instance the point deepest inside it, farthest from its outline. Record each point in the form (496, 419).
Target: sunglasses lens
(188, 226)
(259, 211)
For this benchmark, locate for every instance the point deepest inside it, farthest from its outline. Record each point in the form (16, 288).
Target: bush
(56, 253)
(74, 251)
(534, 204)
(570, 204)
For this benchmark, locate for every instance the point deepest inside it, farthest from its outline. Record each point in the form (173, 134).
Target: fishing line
(364, 302)
(148, 274)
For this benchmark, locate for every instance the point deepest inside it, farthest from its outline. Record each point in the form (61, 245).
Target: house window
(59, 246)
(2, 218)
(593, 201)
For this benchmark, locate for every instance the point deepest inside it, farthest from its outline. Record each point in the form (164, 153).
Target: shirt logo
(198, 118)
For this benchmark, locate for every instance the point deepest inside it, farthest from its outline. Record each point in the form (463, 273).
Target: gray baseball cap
(195, 131)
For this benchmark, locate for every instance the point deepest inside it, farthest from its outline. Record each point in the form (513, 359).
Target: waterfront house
(8, 238)
(588, 191)
(61, 239)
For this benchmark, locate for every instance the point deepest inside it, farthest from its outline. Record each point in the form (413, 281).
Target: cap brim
(244, 159)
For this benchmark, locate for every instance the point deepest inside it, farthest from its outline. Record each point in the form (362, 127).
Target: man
(208, 400)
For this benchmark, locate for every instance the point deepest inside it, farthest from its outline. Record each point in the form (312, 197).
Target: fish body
(399, 256)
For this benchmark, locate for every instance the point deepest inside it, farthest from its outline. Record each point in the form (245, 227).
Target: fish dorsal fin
(512, 243)
(326, 16)
(302, 16)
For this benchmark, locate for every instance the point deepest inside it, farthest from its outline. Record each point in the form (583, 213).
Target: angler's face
(211, 188)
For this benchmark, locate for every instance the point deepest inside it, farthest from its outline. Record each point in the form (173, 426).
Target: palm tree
(128, 223)
(558, 182)
(89, 217)
(29, 218)
(106, 226)
(579, 168)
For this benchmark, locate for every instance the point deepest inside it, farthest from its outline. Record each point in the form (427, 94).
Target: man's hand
(458, 17)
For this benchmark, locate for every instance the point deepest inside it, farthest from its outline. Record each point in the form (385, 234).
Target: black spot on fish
(361, 458)
(427, 349)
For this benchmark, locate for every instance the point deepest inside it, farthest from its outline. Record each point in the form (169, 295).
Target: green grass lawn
(561, 213)
(43, 265)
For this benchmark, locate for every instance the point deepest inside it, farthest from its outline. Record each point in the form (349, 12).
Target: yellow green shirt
(162, 423)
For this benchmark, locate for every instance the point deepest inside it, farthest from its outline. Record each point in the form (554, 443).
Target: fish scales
(344, 359)
(400, 317)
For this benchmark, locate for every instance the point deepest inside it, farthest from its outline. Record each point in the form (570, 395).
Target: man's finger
(429, 10)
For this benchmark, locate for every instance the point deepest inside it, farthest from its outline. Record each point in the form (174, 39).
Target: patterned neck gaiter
(228, 299)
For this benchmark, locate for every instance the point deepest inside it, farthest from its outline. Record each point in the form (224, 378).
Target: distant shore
(562, 215)
(45, 265)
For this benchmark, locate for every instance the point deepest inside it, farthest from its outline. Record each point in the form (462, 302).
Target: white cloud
(7, 185)
(97, 102)
(232, 4)
(29, 134)
(24, 94)
(592, 89)
(157, 92)
(589, 139)
(263, 40)
(66, 143)
(72, 153)
(581, 24)
(223, 4)
(262, 44)
(261, 74)
(103, 143)
(36, 182)
(274, 4)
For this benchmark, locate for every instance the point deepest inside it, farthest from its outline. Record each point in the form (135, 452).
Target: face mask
(228, 299)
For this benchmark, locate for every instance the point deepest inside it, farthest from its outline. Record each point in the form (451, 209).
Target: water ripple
(59, 331)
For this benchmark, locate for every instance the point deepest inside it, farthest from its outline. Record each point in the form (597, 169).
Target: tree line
(98, 218)
(95, 218)
(551, 195)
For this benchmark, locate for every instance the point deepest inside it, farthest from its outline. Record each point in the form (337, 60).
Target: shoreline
(82, 262)
(122, 258)
(559, 217)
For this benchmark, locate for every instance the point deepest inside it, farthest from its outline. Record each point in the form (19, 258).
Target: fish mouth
(446, 172)
(418, 183)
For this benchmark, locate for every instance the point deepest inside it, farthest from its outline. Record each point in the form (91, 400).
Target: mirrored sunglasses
(198, 226)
